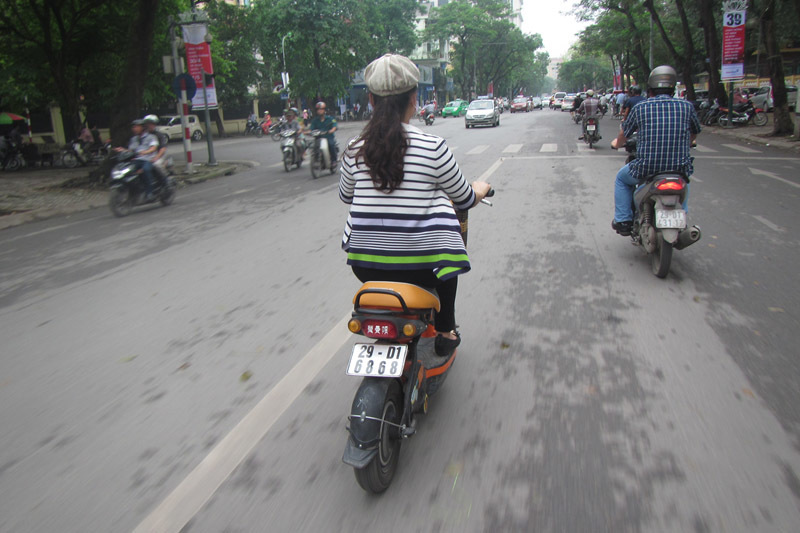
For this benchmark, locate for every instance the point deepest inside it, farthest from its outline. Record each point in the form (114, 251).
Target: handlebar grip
(490, 193)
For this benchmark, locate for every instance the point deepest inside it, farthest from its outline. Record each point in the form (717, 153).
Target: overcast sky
(554, 21)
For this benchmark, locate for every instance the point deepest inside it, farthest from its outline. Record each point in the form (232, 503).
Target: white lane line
(759, 172)
(193, 492)
(698, 180)
(585, 148)
(512, 148)
(770, 225)
(549, 147)
(48, 230)
(491, 170)
(701, 148)
(237, 193)
(276, 165)
(741, 148)
(478, 149)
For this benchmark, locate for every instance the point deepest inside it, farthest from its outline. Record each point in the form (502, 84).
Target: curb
(100, 197)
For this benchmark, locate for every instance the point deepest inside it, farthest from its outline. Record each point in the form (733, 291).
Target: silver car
(482, 113)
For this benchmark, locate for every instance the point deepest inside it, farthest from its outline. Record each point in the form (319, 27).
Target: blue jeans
(147, 174)
(624, 186)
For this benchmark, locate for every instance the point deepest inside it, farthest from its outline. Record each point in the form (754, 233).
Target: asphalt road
(182, 369)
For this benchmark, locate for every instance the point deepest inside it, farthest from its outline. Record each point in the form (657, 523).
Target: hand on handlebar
(482, 190)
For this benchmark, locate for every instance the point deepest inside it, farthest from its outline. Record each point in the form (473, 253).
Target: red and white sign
(733, 45)
(198, 59)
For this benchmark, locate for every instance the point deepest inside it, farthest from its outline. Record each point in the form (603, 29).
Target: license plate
(674, 218)
(590, 127)
(377, 360)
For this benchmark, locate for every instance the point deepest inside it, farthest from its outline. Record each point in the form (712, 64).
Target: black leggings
(446, 317)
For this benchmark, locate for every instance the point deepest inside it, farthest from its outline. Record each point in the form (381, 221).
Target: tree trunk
(128, 100)
(638, 50)
(707, 13)
(689, 55)
(783, 123)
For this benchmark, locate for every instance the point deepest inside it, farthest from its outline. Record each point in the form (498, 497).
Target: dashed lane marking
(743, 149)
(701, 148)
(770, 225)
(478, 149)
(549, 147)
(512, 148)
(759, 172)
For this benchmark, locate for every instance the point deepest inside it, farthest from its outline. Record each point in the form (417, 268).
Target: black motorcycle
(127, 187)
(659, 220)
(253, 128)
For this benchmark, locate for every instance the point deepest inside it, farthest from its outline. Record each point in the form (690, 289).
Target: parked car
(456, 108)
(567, 101)
(558, 98)
(171, 125)
(536, 102)
(763, 97)
(520, 103)
(482, 112)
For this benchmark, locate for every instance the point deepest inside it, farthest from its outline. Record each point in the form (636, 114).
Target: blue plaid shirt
(665, 126)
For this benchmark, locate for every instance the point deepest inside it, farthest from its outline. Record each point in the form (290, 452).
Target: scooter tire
(376, 477)
(69, 160)
(722, 120)
(168, 193)
(276, 135)
(15, 163)
(661, 258)
(287, 161)
(120, 201)
(760, 119)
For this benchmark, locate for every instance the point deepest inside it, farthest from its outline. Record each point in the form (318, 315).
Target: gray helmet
(151, 118)
(137, 122)
(662, 77)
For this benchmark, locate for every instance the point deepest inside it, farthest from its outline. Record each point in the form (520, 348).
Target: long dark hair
(385, 142)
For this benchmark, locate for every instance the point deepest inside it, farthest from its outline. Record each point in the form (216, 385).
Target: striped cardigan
(414, 227)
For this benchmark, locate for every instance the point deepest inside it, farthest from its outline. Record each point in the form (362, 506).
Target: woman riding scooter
(402, 185)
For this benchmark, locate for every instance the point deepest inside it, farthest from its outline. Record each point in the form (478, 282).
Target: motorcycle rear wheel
(722, 120)
(167, 194)
(276, 135)
(15, 163)
(120, 201)
(69, 160)
(377, 475)
(760, 119)
(287, 161)
(661, 258)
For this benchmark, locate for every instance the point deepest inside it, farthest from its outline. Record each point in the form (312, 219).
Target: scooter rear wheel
(287, 161)
(661, 258)
(377, 475)
(760, 119)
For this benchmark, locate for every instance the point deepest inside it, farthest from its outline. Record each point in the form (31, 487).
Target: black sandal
(444, 347)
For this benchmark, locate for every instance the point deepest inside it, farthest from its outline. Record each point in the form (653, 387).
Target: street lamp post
(285, 74)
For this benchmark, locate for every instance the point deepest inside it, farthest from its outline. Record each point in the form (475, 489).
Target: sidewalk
(40, 193)
(757, 135)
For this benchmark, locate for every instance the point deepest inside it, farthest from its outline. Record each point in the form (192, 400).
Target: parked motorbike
(78, 153)
(400, 371)
(10, 155)
(127, 188)
(275, 129)
(743, 115)
(659, 220)
(320, 155)
(292, 149)
(253, 128)
(592, 133)
(712, 115)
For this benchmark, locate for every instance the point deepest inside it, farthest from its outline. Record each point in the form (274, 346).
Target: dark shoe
(580, 138)
(444, 347)
(624, 228)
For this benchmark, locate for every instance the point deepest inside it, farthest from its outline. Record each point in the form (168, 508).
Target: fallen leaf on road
(775, 310)
(504, 345)
(245, 375)
(710, 245)
(748, 392)
(128, 359)
(697, 299)
(184, 366)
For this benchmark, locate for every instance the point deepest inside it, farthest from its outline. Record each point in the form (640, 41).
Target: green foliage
(487, 46)
(590, 72)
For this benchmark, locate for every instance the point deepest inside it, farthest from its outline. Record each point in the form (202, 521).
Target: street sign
(191, 86)
(733, 36)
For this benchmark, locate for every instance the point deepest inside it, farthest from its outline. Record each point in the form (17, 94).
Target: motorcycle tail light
(670, 185)
(379, 329)
(354, 325)
(591, 121)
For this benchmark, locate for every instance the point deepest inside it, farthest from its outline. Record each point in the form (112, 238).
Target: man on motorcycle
(666, 128)
(589, 108)
(327, 124)
(428, 109)
(145, 146)
(159, 161)
(635, 98)
(292, 124)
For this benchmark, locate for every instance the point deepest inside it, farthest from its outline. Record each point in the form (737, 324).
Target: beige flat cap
(391, 74)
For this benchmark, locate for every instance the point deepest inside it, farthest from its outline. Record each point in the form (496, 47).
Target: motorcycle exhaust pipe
(687, 237)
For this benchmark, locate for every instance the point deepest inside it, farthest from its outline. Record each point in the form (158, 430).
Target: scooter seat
(384, 294)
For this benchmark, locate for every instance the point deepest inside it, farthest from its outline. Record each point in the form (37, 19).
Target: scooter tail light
(379, 329)
(670, 185)
(354, 325)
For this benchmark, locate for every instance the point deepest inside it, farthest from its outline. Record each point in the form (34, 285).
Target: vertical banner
(490, 89)
(198, 59)
(733, 45)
